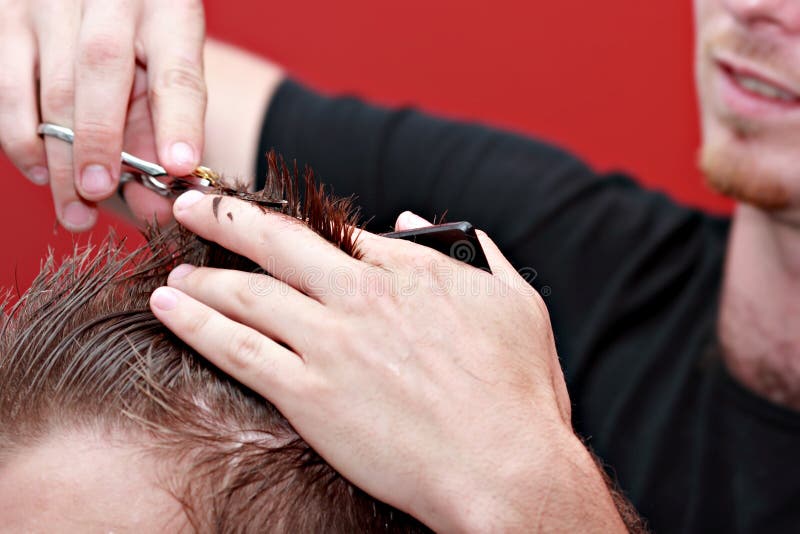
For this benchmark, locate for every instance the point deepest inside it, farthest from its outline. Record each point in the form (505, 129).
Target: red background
(610, 80)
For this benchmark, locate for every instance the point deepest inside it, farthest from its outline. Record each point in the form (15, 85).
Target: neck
(759, 323)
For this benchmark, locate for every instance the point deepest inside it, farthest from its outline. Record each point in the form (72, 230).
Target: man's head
(748, 73)
(109, 422)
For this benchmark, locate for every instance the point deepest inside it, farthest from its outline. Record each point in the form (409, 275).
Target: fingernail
(164, 298)
(95, 180)
(39, 175)
(78, 215)
(187, 199)
(182, 154)
(180, 272)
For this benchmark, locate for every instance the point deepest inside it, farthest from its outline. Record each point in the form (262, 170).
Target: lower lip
(746, 103)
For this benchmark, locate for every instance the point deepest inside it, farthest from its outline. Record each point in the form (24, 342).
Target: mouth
(750, 92)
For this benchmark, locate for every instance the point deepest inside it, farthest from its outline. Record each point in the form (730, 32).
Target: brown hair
(81, 349)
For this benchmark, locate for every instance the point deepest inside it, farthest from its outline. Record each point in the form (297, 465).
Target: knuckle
(58, 95)
(185, 79)
(197, 323)
(100, 52)
(427, 266)
(244, 349)
(85, 126)
(243, 294)
(94, 136)
(425, 260)
(412, 255)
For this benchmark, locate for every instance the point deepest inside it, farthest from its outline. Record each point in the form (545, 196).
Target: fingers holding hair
(285, 247)
(240, 351)
(255, 300)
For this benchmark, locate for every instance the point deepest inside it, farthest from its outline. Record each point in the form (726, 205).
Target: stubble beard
(735, 154)
(735, 174)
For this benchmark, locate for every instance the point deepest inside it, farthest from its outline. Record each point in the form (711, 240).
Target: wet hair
(81, 350)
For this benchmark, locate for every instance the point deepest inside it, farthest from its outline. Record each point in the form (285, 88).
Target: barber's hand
(432, 385)
(79, 59)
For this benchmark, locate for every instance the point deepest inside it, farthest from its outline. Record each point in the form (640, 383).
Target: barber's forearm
(560, 489)
(240, 87)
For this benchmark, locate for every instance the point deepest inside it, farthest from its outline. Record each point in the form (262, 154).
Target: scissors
(153, 176)
(457, 240)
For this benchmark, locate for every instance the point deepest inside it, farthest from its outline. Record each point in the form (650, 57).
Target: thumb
(410, 221)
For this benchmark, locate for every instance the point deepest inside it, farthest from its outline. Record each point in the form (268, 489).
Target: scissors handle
(59, 132)
(65, 134)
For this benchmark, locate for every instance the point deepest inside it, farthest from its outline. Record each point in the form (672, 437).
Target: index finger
(282, 245)
(173, 41)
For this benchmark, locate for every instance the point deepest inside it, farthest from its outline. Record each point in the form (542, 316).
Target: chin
(753, 174)
(749, 94)
(746, 156)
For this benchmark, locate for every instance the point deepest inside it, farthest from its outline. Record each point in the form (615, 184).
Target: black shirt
(632, 283)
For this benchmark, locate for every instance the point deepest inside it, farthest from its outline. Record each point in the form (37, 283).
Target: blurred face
(748, 72)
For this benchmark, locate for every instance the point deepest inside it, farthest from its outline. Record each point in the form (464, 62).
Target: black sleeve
(548, 212)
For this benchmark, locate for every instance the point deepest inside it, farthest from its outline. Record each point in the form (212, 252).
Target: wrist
(552, 485)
